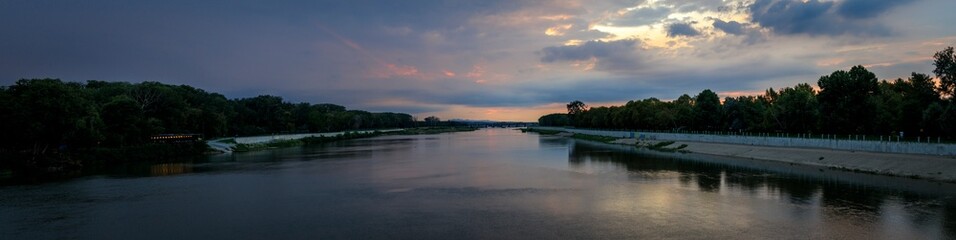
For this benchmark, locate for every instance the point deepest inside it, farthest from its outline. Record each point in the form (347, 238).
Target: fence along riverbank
(886, 146)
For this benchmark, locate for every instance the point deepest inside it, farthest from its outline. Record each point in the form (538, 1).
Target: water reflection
(872, 202)
(485, 184)
(168, 169)
(552, 141)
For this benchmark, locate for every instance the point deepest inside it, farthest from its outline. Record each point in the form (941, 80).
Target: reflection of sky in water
(486, 184)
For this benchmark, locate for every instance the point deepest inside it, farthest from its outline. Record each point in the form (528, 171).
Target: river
(490, 183)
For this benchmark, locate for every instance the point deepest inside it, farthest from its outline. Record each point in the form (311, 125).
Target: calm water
(492, 183)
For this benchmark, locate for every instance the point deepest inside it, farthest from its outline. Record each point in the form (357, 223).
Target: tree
(683, 110)
(576, 107)
(798, 108)
(707, 110)
(940, 119)
(743, 113)
(432, 120)
(945, 62)
(264, 114)
(917, 94)
(50, 117)
(123, 118)
(766, 105)
(848, 102)
(931, 116)
(947, 120)
(554, 119)
(845, 106)
(888, 112)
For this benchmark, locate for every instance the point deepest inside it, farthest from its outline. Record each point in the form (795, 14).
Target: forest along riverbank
(924, 166)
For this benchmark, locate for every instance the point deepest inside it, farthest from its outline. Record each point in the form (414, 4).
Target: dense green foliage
(945, 62)
(554, 119)
(848, 102)
(48, 123)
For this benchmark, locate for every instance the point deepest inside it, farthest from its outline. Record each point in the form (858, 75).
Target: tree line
(48, 120)
(847, 102)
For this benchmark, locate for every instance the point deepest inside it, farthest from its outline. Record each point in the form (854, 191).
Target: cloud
(681, 29)
(868, 8)
(437, 56)
(684, 6)
(747, 33)
(816, 18)
(732, 27)
(642, 16)
(589, 50)
(666, 83)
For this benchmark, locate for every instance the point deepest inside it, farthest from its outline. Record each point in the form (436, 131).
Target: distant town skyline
(496, 60)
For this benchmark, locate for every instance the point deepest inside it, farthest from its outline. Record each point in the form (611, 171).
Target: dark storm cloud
(732, 27)
(815, 18)
(681, 29)
(591, 49)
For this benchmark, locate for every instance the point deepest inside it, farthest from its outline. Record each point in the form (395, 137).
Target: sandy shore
(930, 167)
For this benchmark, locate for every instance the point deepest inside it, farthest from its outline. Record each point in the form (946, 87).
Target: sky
(507, 60)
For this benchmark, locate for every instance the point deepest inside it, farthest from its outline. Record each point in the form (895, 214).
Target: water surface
(491, 183)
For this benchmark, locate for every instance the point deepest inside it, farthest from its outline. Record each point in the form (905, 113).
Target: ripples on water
(492, 183)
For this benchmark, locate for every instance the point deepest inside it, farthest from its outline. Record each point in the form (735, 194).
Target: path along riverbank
(932, 166)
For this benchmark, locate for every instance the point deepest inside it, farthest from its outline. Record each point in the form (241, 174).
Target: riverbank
(95, 160)
(66, 165)
(255, 143)
(930, 167)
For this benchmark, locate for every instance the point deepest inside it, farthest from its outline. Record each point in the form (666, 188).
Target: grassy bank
(664, 146)
(242, 147)
(346, 136)
(595, 138)
(540, 131)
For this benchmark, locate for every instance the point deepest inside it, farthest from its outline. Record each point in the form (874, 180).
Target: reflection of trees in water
(799, 189)
(552, 141)
(365, 147)
(852, 198)
(707, 176)
(167, 169)
(949, 219)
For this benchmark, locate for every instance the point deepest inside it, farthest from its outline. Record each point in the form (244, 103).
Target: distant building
(175, 138)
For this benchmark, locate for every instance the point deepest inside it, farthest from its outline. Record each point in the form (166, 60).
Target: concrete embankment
(937, 164)
(223, 146)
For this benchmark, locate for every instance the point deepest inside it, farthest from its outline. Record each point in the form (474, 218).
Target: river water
(491, 183)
